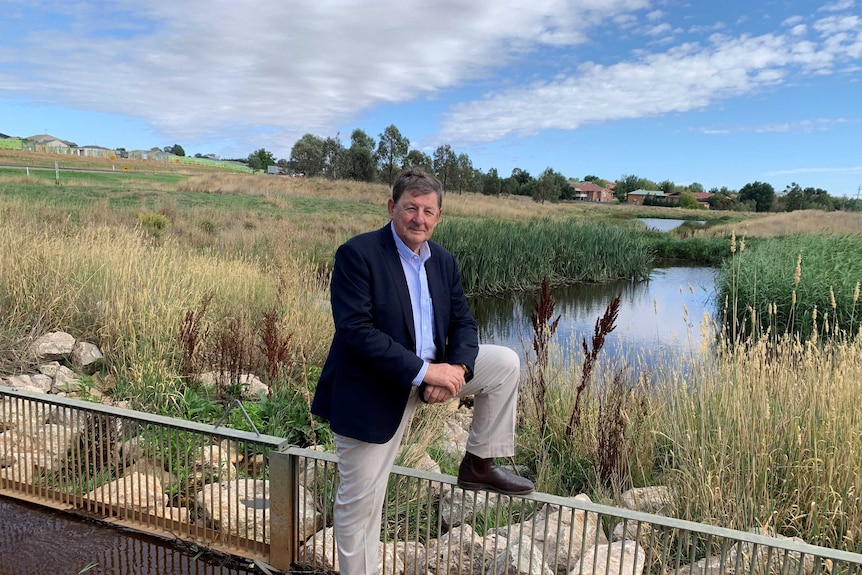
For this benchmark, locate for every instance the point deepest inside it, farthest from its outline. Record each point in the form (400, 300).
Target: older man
(404, 334)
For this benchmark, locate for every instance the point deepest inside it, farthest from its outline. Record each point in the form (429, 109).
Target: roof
(46, 138)
(589, 187)
(658, 193)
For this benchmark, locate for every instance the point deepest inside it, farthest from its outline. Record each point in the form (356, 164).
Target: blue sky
(717, 92)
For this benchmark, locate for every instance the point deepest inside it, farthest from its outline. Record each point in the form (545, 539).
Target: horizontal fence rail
(168, 476)
(254, 496)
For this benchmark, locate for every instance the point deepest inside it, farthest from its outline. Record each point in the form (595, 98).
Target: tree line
(368, 160)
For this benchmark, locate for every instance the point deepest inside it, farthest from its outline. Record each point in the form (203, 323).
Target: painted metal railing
(252, 495)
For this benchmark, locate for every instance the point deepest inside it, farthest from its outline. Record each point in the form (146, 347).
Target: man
(404, 334)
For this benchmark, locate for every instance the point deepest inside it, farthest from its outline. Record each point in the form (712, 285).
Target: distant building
(51, 144)
(95, 151)
(637, 197)
(592, 192)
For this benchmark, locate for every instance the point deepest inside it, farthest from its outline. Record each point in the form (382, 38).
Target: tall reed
(497, 256)
(803, 285)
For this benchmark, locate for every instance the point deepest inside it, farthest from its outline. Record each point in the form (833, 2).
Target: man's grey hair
(417, 181)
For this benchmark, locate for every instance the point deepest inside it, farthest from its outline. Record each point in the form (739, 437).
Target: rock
(320, 551)
(87, 357)
(66, 380)
(648, 499)
(135, 491)
(54, 345)
(458, 506)
(239, 507)
(252, 386)
(522, 556)
(7, 460)
(619, 557)
(562, 534)
(458, 551)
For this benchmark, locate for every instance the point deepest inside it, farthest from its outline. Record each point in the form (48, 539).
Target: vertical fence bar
(283, 509)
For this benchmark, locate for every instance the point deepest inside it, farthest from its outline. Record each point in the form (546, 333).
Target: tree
(307, 157)
(464, 173)
(260, 159)
(549, 186)
(358, 161)
(333, 150)
(723, 199)
(491, 185)
(445, 165)
(523, 184)
(177, 150)
(688, 200)
(417, 158)
(391, 150)
(761, 194)
(630, 183)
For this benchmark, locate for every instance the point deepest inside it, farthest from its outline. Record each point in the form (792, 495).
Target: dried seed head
(797, 273)
(832, 298)
(733, 243)
(856, 293)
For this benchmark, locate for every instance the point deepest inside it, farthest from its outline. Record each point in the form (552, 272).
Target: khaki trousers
(363, 468)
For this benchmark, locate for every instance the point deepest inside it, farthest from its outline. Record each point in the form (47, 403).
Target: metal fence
(252, 495)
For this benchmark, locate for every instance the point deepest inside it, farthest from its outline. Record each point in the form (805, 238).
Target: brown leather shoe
(477, 473)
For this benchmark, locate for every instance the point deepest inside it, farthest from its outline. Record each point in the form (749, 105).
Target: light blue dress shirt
(420, 301)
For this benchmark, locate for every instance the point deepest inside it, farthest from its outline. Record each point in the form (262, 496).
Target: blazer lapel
(396, 272)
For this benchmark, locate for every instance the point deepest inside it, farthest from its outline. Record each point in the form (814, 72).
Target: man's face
(414, 216)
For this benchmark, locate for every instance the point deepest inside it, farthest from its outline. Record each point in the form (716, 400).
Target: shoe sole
(470, 486)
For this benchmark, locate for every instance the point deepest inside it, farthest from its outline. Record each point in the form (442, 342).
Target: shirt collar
(406, 253)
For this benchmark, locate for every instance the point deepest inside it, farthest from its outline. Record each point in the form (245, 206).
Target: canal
(39, 541)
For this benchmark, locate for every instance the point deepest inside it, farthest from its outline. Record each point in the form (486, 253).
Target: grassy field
(174, 274)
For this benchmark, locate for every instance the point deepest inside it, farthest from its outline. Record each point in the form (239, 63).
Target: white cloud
(686, 77)
(659, 30)
(195, 67)
(838, 6)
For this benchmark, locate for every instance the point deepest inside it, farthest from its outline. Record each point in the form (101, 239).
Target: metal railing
(253, 496)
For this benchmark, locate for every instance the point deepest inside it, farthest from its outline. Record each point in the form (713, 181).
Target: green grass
(762, 292)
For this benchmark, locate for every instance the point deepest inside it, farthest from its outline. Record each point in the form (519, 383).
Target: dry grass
(790, 223)
(128, 294)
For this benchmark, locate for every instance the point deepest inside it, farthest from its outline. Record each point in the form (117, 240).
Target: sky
(722, 93)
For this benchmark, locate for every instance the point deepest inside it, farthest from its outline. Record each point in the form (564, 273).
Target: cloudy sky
(718, 92)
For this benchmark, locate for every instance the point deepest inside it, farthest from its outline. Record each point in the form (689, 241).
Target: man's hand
(443, 381)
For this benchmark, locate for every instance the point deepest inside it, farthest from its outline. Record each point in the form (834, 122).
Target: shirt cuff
(421, 375)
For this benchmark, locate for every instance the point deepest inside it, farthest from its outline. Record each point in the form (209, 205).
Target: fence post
(283, 509)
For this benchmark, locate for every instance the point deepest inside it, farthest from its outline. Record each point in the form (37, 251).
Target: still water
(658, 318)
(38, 541)
(663, 224)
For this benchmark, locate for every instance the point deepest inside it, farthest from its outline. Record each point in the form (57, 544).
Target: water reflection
(38, 540)
(665, 225)
(656, 317)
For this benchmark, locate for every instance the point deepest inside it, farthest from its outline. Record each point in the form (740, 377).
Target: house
(94, 151)
(701, 197)
(637, 197)
(592, 192)
(52, 144)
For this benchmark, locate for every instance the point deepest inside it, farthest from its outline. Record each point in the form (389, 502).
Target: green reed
(798, 285)
(497, 256)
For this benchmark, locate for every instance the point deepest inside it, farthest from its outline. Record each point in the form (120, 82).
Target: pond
(658, 318)
(664, 225)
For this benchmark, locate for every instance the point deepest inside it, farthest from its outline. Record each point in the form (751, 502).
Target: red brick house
(592, 192)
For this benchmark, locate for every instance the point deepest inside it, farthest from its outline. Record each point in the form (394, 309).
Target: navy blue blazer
(366, 380)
